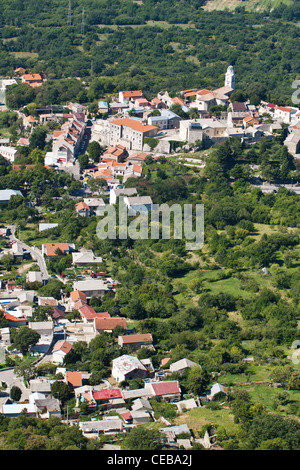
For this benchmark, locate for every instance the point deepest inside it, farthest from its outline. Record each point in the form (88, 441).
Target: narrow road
(35, 252)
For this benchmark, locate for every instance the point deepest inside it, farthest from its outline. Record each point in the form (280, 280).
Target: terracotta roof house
(168, 390)
(125, 96)
(15, 321)
(111, 397)
(74, 379)
(117, 152)
(58, 313)
(88, 314)
(76, 295)
(32, 79)
(51, 249)
(130, 133)
(47, 302)
(250, 121)
(60, 349)
(135, 341)
(20, 70)
(137, 157)
(82, 209)
(108, 324)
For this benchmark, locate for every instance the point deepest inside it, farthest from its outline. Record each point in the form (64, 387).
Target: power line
(82, 23)
(69, 14)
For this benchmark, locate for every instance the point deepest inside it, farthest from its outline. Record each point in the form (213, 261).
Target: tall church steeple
(230, 77)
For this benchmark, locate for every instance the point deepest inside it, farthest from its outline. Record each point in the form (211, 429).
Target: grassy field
(250, 5)
(199, 417)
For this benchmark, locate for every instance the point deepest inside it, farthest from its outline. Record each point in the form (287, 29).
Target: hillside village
(131, 130)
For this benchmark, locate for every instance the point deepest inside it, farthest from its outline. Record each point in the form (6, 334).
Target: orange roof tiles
(52, 247)
(203, 92)
(81, 205)
(138, 338)
(74, 379)
(137, 168)
(64, 346)
(109, 323)
(132, 93)
(77, 295)
(177, 100)
(133, 124)
(32, 77)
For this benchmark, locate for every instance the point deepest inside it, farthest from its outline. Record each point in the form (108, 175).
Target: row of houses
(66, 142)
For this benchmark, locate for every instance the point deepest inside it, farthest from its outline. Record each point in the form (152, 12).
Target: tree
(15, 393)
(98, 185)
(140, 438)
(83, 161)
(94, 150)
(25, 338)
(37, 138)
(60, 390)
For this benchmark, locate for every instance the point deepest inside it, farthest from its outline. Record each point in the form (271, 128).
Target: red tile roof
(12, 318)
(109, 323)
(74, 379)
(138, 338)
(127, 416)
(166, 388)
(52, 247)
(132, 93)
(77, 295)
(107, 394)
(64, 346)
(89, 313)
(133, 124)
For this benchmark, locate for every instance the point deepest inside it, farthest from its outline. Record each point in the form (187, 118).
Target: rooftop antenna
(82, 23)
(69, 14)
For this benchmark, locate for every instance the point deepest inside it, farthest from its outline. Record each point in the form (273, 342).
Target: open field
(250, 5)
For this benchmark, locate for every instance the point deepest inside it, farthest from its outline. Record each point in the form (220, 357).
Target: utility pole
(82, 23)
(69, 14)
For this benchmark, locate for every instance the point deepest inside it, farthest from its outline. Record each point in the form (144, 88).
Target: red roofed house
(76, 295)
(168, 390)
(116, 153)
(32, 79)
(137, 157)
(109, 398)
(131, 95)
(250, 121)
(88, 314)
(59, 351)
(130, 133)
(82, 209)
(108, 324)
(51, 249)
(20, 70)
(15, 321)
(136, 341)
(74, 379)
(283, 113)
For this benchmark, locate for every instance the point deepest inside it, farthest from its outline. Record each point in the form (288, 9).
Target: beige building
(130, 133)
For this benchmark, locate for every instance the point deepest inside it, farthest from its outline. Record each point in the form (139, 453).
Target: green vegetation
(130, 45)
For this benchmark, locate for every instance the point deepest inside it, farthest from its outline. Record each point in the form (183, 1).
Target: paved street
(36, 253)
